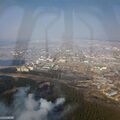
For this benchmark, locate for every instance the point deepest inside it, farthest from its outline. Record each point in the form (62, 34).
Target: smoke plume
(25, 107)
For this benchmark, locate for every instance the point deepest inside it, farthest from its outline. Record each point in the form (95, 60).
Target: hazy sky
(91, 19)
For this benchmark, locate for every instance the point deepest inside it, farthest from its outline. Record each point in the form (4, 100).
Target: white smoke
(19, 100)
(38, 110)
(25, 107)
(60, 101)
(3, 109)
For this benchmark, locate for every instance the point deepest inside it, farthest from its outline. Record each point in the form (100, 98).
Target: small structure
(61, 60)
(24, 69)
(111, 93)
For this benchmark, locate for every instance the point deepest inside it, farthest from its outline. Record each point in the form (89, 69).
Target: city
(97, 70)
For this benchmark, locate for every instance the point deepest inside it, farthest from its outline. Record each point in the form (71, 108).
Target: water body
(11, 62)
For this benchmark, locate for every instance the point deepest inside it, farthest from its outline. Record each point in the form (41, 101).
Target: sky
(81, 19)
